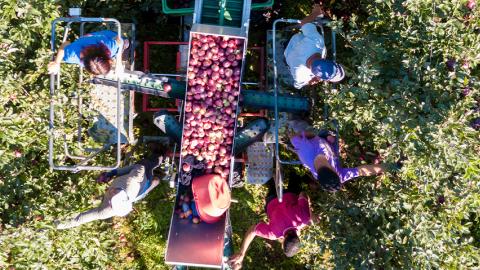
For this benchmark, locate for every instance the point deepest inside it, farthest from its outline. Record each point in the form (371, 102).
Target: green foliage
(400, 97)
(32, 196)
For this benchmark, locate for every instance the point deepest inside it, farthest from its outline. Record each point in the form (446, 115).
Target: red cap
(212, 196)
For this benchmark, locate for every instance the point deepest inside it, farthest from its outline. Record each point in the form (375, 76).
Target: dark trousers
(151, 164)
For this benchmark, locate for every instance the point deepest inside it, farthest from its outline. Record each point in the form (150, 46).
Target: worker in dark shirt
(131, 184)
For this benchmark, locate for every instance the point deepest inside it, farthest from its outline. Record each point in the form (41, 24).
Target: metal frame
(170, 168)
(223, 30)
(145, 101)
(278, 161)
(55, 85)
(207, 30)
(241, 33)
(261, 84)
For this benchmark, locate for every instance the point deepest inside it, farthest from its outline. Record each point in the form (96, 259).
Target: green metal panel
(184, 11)
(249, 134)
(169, 125)
(175, 11)
(266, 100)
(266, 4)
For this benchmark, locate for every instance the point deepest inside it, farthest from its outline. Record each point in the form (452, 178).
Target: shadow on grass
(149, 228)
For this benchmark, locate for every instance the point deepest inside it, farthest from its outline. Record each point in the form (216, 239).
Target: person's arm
(308, 134)
(304, 196)
(236, 260)
(123, 170)
(154, 184)
(316, 11)
(54, 66)
(369, 170)
(314, 81)
(105, 177)
(119, 68)
(119, 40)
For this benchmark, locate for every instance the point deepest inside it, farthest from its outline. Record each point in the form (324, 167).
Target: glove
(53, 67)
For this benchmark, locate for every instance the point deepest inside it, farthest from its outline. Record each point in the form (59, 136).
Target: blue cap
(327, 70)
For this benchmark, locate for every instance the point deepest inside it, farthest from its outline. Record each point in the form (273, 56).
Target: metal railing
(55, 87)
(278, 160)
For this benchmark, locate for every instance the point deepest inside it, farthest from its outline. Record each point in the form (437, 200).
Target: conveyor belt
(143, 83)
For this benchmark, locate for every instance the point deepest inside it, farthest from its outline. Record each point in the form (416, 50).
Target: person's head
(96, 59)
(327, 70)
(291, 243)
(328, 179)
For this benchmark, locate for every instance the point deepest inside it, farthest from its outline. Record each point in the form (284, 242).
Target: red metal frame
(146, 69)
(261, 113)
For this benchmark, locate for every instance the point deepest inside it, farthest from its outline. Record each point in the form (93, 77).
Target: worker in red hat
(286, 219)
(212, 196)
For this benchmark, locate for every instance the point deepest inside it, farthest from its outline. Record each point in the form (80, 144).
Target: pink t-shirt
(293, 212)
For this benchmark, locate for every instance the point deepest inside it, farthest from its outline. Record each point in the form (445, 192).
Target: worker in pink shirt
(285, 221)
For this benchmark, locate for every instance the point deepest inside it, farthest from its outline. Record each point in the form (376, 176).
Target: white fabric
(121, 204)
(299, 49)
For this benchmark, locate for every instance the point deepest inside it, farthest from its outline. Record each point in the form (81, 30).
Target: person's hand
(155, 181)
(317, 10)
(314, 81)
(53, 67)
(331, 139)
(104, 177)
(305, 196)
(235, 261)
(315, 218)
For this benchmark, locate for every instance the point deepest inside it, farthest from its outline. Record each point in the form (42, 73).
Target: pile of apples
(213, 89)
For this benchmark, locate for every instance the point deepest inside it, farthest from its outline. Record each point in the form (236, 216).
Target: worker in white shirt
(305, 55)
